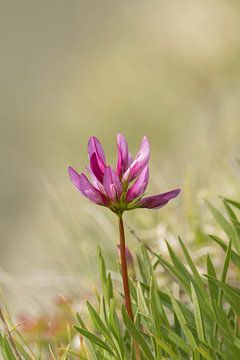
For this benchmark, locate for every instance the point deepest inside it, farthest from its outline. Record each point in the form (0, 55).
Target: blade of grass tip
(213, 288)
(178, 264)
(80, 321)
(225, 225)
(144, 264)
(109, 288)
(198, 316)
(233, 218)
(234, 203)
(94, 339)
(225, 269)
(135, 333)
(192, 266)
(103, 271)
(234, 256)
(102, 308)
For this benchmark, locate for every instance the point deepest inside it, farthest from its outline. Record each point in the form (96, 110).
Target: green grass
(200, 321)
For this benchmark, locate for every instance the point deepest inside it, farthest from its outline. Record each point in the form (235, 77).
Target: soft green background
(71, 69)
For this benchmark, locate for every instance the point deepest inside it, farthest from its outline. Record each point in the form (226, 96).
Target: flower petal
(94, 146)
(96, 183)
(96, 167)
(112, 184)
(87, 189)
(139, 186)
(122, 161)
(140, 162)
(157, 201)
(74, 177)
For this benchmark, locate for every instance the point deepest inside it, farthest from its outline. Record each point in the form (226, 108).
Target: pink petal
(96, 183)
(87, 189)
(140, 162)
(130, 160)
(96, 167)
(112, 184)
(94, 146)
(74, 177)
(122, 161)
(139, 186)
(157, 201)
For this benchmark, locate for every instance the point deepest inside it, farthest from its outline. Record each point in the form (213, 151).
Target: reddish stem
(124, 268)
(125, 280)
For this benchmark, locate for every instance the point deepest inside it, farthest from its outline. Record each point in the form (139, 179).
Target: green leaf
(225, 225)
(234, 203)
(103, 272)
(8, 350)
(198, 316)
(167, 348)
(142, 306)
(204, 353)
(177, 340)
(94, 339)
(213, 288)
(109, 288)
(234, 256)
(101, 327)
(136, 334)
(155, 316)
(232, 295)
(226, 262)
(232, 216)
(179, 265)
(115, 326)
(197, 277)
(184, 324)
(174, 271)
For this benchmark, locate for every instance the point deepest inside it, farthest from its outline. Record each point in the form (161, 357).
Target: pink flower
(116, 189)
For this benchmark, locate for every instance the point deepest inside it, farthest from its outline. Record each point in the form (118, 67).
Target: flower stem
(124, 268)
(125, 281)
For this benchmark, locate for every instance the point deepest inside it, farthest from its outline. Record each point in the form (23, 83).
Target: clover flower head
(121, 188)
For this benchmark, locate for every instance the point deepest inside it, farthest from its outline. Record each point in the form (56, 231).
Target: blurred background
(167, 69)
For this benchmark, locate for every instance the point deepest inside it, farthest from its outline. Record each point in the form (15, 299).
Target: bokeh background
(71, 69)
